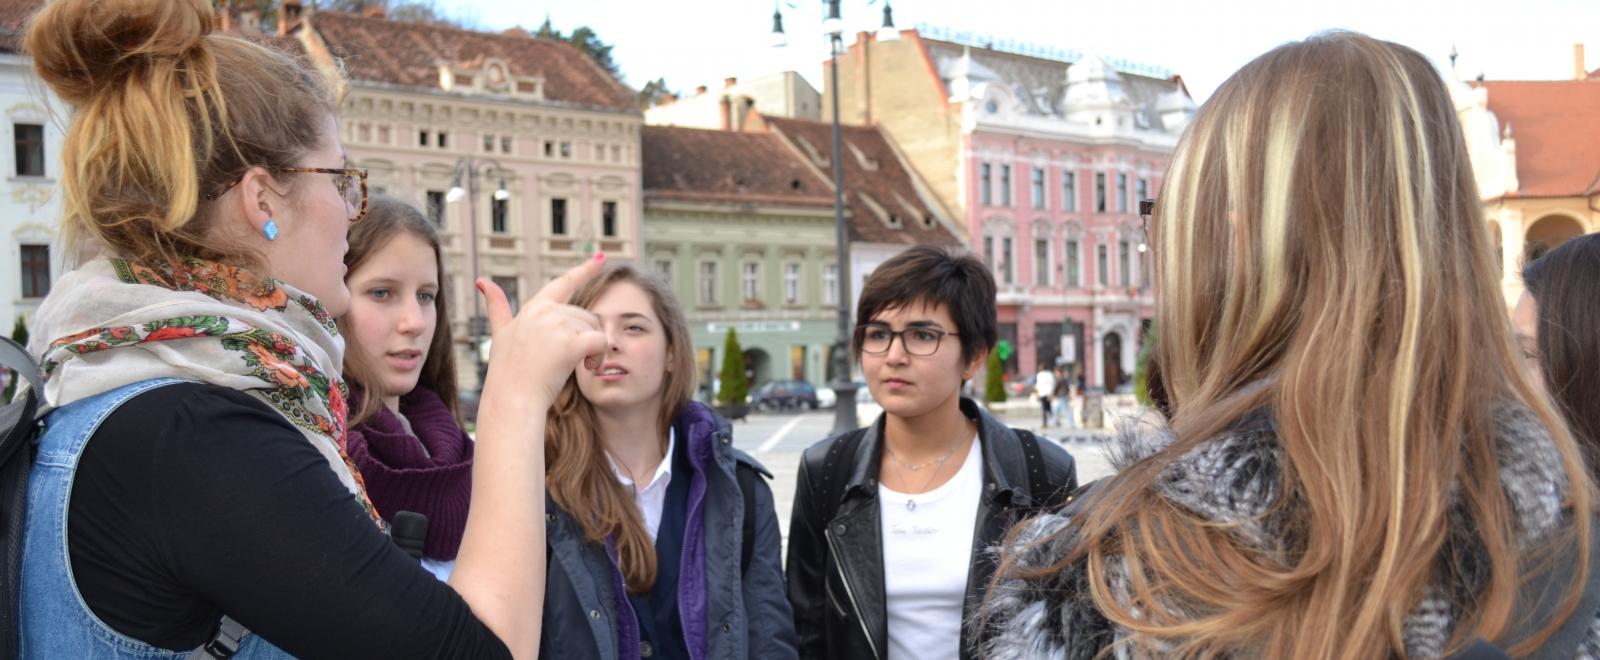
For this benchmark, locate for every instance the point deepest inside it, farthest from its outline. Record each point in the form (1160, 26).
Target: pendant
(911, 505)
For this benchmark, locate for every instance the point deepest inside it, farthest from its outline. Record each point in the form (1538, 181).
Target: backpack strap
(18, 435)
(747, 487)
(230, 634)
(835, 470)
(1038, 489)
(13, 357)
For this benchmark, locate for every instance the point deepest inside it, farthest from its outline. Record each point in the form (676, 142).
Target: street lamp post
(844, 409)
(844, 387)
(466, 171)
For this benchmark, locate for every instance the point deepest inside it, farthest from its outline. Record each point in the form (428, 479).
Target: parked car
(863, 395)
(826, 397)
(1023, 386)
(785, 395)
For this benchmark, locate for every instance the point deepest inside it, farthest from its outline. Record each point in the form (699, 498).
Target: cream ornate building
(541, 142)
(1535, 148)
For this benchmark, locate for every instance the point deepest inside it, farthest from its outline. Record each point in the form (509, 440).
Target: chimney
(863, 92)
(289, 15)
(699, 90)
(1579, 69)
(373, 10)
(729, 82)
(727, 113)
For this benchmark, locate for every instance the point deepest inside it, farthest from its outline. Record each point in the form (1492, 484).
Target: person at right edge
(889, 542)
(1349, 460)
(1558, 324)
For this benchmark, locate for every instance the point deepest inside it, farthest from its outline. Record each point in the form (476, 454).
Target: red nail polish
(599, 256)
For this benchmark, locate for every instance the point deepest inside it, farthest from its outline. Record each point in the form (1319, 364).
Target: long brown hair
(1321, 256)
(158, 127)
(388, 218)
(579, 475)
(1563, 283)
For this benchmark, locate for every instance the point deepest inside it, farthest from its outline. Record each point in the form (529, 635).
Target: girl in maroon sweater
(406, 435)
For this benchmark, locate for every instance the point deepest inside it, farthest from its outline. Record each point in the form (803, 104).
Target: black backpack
(19, 433)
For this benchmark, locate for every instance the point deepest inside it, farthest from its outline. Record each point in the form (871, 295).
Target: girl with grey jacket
(1351, 461)
(663, 538)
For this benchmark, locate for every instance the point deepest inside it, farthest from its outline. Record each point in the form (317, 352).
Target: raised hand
(535, 351)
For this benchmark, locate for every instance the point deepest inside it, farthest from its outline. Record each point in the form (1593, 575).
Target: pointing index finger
(560, 289)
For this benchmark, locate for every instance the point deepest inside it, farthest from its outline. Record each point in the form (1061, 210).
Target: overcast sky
(699, 42)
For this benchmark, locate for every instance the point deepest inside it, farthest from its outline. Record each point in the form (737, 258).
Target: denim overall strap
(56, 622)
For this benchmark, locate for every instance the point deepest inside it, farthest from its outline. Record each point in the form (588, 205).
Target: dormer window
(495, 76)
(811, 151)
(866, 162)
(532, 87)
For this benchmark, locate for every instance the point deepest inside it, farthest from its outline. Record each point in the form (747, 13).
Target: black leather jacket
(835, 565)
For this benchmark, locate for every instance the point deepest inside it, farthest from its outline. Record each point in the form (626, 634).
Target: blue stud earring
(270, 230)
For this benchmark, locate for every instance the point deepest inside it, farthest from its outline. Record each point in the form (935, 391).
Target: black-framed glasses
(350, 182)
(918, 341)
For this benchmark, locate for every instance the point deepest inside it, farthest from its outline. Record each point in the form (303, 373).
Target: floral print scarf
(113, 322)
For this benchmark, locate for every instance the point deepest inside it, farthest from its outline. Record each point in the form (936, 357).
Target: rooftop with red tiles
(692, 164)
(409, 55)
(14, 16)
(1556, 125)
(881, 194)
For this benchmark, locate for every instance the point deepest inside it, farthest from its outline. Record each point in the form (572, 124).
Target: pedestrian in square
(1352, 461)
(1063, 400)
(664, 539)
(1044, 387)
(889, 542)
(192, 495)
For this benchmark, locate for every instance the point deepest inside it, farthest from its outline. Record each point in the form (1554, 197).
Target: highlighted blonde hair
(1321, 256)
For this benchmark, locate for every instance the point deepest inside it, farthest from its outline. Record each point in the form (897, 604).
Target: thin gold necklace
(911, 498)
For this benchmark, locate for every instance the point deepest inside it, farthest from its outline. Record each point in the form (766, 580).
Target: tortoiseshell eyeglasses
(351, 183)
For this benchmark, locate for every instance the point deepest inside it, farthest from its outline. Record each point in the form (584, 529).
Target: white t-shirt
(927, 551)
(1044, 383)
(653, 498)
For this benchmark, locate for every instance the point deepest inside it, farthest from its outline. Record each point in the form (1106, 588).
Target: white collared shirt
(653, 497)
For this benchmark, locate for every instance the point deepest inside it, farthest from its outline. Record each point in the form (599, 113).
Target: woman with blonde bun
(192, 494)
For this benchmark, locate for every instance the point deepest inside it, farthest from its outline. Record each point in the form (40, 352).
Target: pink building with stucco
(1046, 163)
